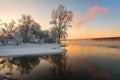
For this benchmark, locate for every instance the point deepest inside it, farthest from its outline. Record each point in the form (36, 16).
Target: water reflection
(94, 63)
(23, 64)
(59, 70)
(79, 63)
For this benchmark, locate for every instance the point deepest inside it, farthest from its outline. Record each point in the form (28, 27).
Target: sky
(92, 18)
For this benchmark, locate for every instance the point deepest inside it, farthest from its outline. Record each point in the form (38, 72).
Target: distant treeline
(106, 38)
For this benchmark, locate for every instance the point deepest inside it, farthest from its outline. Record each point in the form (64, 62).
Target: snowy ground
(30, 49)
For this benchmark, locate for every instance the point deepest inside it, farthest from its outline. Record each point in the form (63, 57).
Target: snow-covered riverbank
(30, 49)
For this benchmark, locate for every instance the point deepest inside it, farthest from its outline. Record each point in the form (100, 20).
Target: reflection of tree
(24, 64)
(60, 69)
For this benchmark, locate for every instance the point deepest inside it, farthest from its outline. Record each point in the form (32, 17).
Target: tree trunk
(59, 39)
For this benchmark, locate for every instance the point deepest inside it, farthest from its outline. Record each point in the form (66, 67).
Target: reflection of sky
(101, 25)
(96, 61)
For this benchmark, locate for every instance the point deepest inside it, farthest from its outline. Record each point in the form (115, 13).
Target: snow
(30, 49)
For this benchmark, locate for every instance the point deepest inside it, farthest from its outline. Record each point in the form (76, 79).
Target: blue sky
(100, 25)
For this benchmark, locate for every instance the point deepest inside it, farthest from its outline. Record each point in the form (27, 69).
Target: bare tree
(61, 19)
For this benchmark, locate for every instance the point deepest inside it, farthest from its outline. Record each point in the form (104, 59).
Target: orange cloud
(91, 13)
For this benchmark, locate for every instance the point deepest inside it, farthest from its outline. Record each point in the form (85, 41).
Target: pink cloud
(76, 17)
(91, 13)
(104, 10)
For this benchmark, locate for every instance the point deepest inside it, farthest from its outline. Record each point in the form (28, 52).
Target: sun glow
(96, 17)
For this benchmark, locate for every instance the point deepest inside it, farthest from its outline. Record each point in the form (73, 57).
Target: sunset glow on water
(79, 62)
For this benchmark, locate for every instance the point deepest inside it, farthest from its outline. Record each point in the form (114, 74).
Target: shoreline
(29, 49)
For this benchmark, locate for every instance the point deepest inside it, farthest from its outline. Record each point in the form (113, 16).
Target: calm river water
(78, 63)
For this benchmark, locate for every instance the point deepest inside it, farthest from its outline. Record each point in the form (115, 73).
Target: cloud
(91, 13)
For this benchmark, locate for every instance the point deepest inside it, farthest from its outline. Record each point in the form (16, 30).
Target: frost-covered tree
(9, 27)
(35, 31)
(17, 37)
(4, 37)
(54, 34)
(29, 29)
(61, 19)
(24, 26)
(46, 36)
(7, 32)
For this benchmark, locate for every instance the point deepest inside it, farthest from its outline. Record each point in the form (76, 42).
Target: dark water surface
(78, 63)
